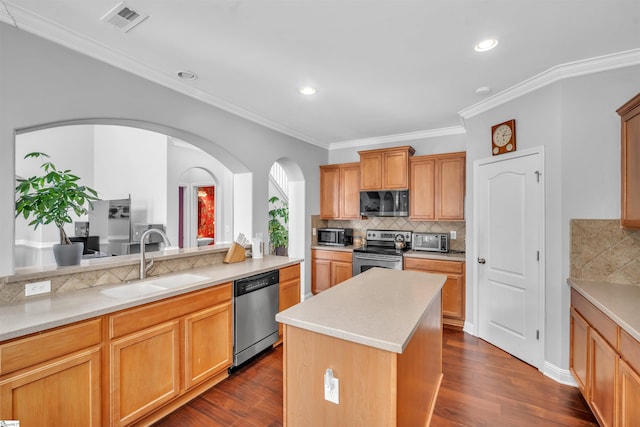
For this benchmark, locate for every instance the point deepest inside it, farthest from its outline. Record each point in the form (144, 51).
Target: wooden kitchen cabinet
(453, 291)
(630, 164)
(385, 168)
(603, 361)
(289, 291)
(629, 393)
(53, 376)
(151, 346)
(437, 187)
(329, 268)
(340, 191)
(578, 360)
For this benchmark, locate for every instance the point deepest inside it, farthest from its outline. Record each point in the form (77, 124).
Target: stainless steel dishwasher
(256, 303)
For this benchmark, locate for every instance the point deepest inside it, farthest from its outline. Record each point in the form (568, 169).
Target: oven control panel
(388, 235)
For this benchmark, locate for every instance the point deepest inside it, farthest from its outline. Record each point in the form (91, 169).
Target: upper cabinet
(437, 187)
(385, 169)
(630, 210)
(340, 191)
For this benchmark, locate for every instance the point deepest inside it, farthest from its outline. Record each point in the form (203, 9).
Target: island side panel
(367, 382)
(420, 369)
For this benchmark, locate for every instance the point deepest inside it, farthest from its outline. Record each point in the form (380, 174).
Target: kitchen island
(380, 333)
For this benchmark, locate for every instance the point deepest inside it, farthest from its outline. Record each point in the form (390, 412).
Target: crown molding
(22, 19)
(560, 72)
(401, 137)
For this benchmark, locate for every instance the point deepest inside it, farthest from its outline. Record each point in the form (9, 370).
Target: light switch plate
(453, 234)
(37, 288)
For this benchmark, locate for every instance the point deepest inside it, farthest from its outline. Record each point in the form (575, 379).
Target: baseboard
(470, 328)
(563, 376)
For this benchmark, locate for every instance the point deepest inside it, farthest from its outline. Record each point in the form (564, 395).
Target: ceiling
(383, 70)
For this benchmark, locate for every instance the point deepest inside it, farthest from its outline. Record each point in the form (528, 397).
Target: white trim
(563, 376)
(539, 151)
(563, 71)
(36, 244)
(453, 130)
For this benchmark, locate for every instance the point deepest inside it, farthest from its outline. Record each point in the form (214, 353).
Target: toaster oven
(432, 242)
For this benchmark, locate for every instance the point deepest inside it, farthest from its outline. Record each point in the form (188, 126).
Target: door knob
(481, 260)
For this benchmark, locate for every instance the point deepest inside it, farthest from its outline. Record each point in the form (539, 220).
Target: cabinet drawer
(597, 319)
(432, 265)
(630, 350)
(47, 346)
(128, 321)
(290, 273)
(332, 255)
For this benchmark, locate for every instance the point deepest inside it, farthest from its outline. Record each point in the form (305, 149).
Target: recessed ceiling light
(187, 75)
(483, 90)
(307, 90)
(486, 45)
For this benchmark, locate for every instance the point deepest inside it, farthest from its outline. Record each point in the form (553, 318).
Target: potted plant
(50, 198)
(278, 232)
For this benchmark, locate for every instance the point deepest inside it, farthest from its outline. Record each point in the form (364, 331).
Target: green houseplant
(50, 198)
(278, 232)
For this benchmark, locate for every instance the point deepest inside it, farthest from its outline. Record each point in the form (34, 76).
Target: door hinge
(537, 334)
(538, 173)
(537, 255)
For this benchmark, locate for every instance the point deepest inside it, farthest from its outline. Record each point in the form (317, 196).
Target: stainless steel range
(383, 248)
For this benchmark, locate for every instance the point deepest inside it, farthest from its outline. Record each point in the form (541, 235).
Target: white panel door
(508, 228)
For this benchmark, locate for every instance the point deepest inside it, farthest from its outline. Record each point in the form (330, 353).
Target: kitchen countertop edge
(618, 301)
(448, 256)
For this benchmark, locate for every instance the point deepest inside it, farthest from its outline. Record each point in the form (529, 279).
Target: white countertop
(620, 302)
(379, 308)
(445, 256)
(39, 313)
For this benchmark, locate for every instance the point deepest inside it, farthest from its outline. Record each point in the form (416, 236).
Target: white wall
(45, 83)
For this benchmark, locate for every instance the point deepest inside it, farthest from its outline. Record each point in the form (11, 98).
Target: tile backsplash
(601, 250)
(397, 223)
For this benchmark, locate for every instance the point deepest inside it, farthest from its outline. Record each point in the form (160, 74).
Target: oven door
(364, 261)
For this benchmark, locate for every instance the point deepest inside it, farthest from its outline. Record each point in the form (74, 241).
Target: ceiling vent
(124, 17)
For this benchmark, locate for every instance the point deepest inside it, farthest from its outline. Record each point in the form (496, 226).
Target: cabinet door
(208, 343)
(630, 170)
(289, 296)
(320, 275)
(371, 171)
(579, 346)
(452, 297)
(329, 192)
(603, 361)
(145, 371)
(67, 390)
(350, 191)
(450, 185)
(628, 395)
(340, 271)
(423, 186)
(395, 172)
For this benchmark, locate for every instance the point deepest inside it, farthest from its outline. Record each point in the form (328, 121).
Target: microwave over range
(335, 236)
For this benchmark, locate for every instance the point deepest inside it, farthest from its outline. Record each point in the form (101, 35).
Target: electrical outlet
(37, 288)
(331, 387)
(453, 234)
(314, 231)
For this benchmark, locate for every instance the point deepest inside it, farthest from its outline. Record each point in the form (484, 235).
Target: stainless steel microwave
(384, 203)
(432, 242)
(335, 236)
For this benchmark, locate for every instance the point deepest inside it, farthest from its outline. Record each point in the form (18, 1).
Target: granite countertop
(447, 256)
(379, 308)
(38, 313)
(620, 302)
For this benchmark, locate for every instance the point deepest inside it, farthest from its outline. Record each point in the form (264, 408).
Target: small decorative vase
(67, 255)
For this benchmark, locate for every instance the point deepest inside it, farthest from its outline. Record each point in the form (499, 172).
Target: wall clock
(503, 137)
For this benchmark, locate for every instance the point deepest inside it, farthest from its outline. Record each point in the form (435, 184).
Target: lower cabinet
(53, 376)
(453, 291)
(289, 291)
(151, 346)
(604, 361)
(328, 268)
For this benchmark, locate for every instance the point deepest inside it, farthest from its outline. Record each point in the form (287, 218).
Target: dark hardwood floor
(482, 386)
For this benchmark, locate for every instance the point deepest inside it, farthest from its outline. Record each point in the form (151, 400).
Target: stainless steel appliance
(383, 248)
(384, 203)
(335, 236)
(433, 242)
(254, 315)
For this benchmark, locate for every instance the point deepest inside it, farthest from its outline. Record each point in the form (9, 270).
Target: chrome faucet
(144, 267)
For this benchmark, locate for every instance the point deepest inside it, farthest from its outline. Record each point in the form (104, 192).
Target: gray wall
(42, 83)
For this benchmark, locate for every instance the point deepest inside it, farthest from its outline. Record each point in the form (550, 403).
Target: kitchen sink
(136, 290)
(177, 281)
